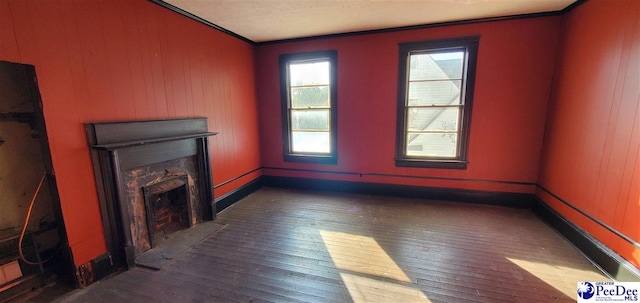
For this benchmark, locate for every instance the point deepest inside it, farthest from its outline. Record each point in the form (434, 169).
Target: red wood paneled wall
(130, 59)
(512, 87)
(591, 155)
(112, 60)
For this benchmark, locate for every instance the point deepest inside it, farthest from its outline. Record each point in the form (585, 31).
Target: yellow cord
(26, 222)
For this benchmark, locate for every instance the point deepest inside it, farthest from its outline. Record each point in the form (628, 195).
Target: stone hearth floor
(177, 243)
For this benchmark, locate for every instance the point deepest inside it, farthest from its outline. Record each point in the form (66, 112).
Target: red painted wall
(129, 59)
(591, 155)
(514, 70)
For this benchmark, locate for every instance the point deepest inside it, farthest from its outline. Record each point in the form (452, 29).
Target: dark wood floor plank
(263, 245)
(265, 279)
(295, 264)
(263, 272)
(297, 246)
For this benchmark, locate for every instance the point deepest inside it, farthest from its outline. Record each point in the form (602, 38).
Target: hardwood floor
(296, 246)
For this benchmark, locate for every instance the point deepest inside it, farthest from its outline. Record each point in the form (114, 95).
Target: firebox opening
(167, 208)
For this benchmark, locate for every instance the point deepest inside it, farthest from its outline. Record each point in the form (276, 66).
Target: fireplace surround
(137, 161)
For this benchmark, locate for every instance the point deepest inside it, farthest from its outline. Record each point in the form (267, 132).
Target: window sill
(444, 164)
(311, 158)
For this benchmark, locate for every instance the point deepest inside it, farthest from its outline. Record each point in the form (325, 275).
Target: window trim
(469, 73)
(288, 154)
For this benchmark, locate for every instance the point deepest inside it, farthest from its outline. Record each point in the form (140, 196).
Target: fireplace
(168, 207)
(153, 179)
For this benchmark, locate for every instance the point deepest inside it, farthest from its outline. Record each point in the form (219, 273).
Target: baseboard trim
(591, 218)
(102, 266)
(236, 195)
(516, 200)
(609, 261)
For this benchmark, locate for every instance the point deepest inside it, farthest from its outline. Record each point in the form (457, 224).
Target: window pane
(310, 142)
(309, 73)
(433, 119)
(305, 97)
(432, 145)
(436, 66)
(308, 83)
(435, 96)
(434, 92)
(310, 119)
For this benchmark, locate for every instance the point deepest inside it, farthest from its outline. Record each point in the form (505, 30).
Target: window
(308, 90)
(435, 93)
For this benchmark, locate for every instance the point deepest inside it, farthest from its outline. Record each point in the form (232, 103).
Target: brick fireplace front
(162, 198)
(168, 206)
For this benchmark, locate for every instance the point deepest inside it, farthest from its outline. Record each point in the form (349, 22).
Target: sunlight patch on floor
(361, 254)
(361, 262)
(364, 289)
(550, 274)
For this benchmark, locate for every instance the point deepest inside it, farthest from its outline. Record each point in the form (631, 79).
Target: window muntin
(309, 113)
(434, 102)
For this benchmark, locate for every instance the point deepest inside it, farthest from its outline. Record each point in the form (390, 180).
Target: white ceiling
(269, 20)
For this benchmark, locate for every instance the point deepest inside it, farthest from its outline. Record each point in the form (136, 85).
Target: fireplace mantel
(118, 147)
